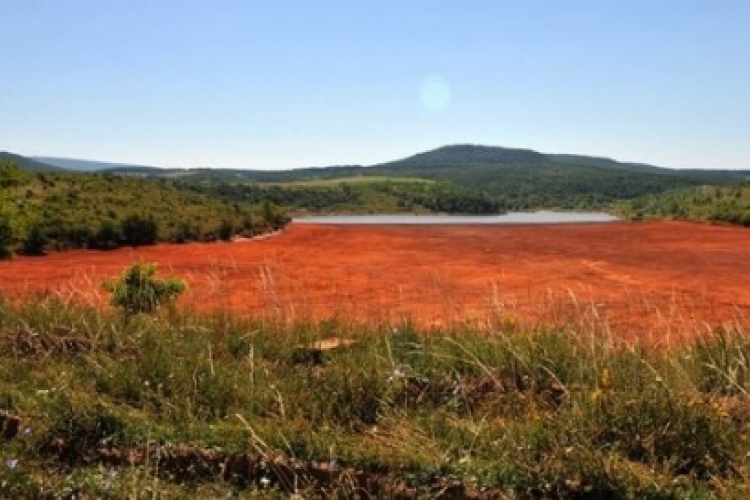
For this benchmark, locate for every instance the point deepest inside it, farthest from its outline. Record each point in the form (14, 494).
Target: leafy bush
(226, 230)
(36, 241)
(6, 238)
(140, 230)
(107, 237)
(10, 225)
(137, 291)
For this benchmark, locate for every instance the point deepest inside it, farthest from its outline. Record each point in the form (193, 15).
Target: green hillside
(101, 210)
(467, 154)
(462, 179)
(725, 204)
(28, 163)
(527, 179)
(509, 178)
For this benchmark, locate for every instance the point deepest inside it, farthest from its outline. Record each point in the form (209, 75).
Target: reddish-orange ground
(642, 278)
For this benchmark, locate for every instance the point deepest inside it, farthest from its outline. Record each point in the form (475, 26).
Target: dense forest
(358, 196)
(513, 179)
(50, 209)
(721, 204)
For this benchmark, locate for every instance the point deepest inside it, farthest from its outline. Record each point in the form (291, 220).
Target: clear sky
(280, 84)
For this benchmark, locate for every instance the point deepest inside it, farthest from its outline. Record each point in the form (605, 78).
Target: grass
(94, 404)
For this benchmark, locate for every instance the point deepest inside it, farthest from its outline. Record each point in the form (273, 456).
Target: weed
(167, 404)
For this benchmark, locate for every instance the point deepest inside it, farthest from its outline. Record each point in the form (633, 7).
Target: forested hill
(431, 163)
(40, 209)
(504, 177)
(467, 155)
(451, 156)
(528, 179)
(28, 163)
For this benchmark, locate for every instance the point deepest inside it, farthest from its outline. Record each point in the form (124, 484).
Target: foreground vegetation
(94, 403)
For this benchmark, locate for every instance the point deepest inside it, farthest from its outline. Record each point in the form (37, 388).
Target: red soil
(664, 278)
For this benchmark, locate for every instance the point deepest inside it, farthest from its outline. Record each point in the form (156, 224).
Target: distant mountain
(523, 178)
(516, 178)
(28, 164)
(468, 154)
(84, 165)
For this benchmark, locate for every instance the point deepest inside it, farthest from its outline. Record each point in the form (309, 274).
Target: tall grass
(96, 404)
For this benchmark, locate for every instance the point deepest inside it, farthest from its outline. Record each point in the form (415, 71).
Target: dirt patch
(668, 279)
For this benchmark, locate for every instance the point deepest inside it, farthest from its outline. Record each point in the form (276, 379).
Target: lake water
(542, 217)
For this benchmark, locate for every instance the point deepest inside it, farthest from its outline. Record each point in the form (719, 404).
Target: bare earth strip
(645, 279)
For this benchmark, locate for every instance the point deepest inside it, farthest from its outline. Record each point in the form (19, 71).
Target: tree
(184, 233)
(274, 216)
(11, 174)
(137, 291)
(107, 237)
(226, 230)
(6, 237)
(36, 241)
(137, 230)
(8, 229)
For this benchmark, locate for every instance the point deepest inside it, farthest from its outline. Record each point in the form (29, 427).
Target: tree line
(720, 204)
(377, 196)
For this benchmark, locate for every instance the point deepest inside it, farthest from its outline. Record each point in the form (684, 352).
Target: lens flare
(435, 94)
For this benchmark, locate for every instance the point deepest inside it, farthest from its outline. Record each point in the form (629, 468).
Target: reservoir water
(541, 217)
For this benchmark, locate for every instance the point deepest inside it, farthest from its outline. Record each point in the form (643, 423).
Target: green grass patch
(97, 404)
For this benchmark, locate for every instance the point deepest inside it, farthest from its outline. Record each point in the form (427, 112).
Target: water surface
(542, 217)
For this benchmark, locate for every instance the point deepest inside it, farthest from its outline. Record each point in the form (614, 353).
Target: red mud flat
(648, 279)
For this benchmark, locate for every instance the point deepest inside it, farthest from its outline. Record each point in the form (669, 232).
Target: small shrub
(107, 237)
(139, 230)
(9, 222)
(226, 230)
(6, 239)
(137, 291)
(36, 241)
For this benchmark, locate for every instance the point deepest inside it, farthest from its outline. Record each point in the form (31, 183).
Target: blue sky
(260, 84)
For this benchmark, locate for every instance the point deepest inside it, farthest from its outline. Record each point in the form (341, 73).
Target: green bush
(226, 230)
(6, 238)
(9, 226)
(36, 241)
(107, 237)
(140, 230)
(137, 291)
